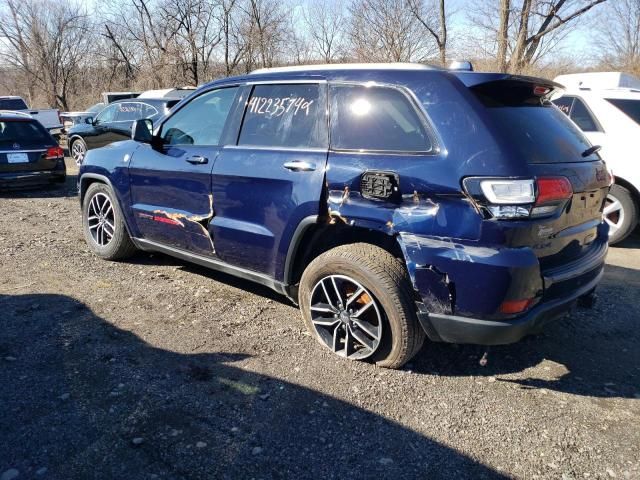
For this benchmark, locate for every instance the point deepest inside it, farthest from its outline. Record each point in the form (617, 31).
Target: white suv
(606, 107)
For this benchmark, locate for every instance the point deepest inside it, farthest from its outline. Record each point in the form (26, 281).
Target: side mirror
(142, 131)
(89, 120)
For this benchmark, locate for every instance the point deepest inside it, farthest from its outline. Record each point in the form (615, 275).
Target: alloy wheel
(78, 152)
(346, 317)
(101, 220)
(613, 214)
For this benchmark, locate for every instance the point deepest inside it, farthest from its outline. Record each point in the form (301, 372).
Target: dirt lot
(159, 369)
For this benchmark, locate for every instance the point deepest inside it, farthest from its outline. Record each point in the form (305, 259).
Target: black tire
(120, 246)
(386, 278)
(625, 219)
(79, 145)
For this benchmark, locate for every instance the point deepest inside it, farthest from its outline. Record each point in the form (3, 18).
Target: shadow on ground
(76, 392)
(594, 352)
(595, 349)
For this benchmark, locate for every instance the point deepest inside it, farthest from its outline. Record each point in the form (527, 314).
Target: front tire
(357, 301)
(621, 213)
(103, 224)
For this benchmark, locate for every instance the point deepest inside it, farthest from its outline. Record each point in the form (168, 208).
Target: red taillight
(515, 306)
(552, 189)
(55, 152)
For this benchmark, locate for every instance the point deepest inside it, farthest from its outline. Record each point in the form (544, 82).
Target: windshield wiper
(591, 150)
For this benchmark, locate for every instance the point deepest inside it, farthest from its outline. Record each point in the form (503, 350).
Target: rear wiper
(591, 150)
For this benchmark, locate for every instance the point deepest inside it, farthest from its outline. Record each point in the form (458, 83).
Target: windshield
(23, 133)
(629, 107)
(12, 104)
(95, 108)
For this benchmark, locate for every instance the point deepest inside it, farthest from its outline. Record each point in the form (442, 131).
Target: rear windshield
(629, 107)
(12, 104)
(23, 133)
(537, 130)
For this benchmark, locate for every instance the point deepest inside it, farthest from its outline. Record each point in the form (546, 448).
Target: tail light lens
(552, 189)
(517, 198)
(54, 153)
(509, 192)
(515, 306)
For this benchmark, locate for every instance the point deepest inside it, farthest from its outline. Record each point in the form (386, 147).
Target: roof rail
(15, 112)
(346, 66)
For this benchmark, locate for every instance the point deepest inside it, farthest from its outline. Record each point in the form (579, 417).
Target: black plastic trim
(212, 263)
(294, 245)
(457, 329)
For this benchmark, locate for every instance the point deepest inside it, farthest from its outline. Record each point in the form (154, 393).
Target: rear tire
(103, 224)
(78, 150)
(621, 213)
(384, 280)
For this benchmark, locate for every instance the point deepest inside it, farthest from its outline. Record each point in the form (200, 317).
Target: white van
(606, 107)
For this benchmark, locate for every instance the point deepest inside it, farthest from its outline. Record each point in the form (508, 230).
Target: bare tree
(387, 31)
(531, 28)
(233, 47)
(620, 35)
(48, 42)
(425, 14)
(264, 31)
(325, 23)
(197, 34)
(503, 35)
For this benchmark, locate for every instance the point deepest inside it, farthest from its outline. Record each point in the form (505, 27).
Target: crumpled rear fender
(464, 278)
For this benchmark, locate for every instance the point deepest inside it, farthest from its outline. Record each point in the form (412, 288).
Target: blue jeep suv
(389, 202)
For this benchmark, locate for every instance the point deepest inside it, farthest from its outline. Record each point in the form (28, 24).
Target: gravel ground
(159, 369)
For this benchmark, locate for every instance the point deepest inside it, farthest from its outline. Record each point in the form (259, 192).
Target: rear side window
(108, 114)
(130, 111)
(201, 121)
(535, 130)
(564, 104)
(290, 116)
(375, 119)
(12, 104)
(631, 108)
(582, 117)
(23, 133)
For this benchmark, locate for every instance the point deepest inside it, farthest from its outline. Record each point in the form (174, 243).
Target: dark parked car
(29, 155)
(390, 202)
(113, 123)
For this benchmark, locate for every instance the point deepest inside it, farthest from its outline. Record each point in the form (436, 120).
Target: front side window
(629, 107)
(582, 117)
(375, 119)
(290, 116)
(107, 115)
(201, 121)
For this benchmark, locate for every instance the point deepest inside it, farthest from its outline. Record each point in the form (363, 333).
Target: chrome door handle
(197, 160)
(300, 166)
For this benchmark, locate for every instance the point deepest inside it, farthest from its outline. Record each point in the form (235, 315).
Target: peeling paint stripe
(169, 221)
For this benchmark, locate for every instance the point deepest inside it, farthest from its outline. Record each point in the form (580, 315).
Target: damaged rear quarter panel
(438, 228)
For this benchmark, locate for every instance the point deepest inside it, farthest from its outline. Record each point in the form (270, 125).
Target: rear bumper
(27, 179)
(456, 329)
